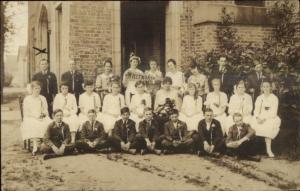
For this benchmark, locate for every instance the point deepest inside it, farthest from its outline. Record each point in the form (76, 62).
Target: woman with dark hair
(191, 109)
(199, 79)
(266, 121)
(177, 76)
(36, 117)
(131, 76)
(103, 81)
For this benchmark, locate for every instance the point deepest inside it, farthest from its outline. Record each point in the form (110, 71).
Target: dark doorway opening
(143, 32)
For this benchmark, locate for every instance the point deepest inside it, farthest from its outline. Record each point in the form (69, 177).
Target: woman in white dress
(178, 79)
(199, 79)
(153, 78)
(88, 100)
(112, 104)
(103, 80)
(139, 102)
(166, 92)
(191, 109)
(131, 76)
(240, 102)
(67, 103)
(217, 101)
(265, 121)
(36, 118)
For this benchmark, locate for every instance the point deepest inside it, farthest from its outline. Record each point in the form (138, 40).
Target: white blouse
(35, 106)
(178, 79)
(217, 102)
(201, 82)
(266, 106)
(130, 77)
(190, 106)
(240, 104)
(87, 102)
(66, 103)
(112, 104)
(136, 102)
(103, 81)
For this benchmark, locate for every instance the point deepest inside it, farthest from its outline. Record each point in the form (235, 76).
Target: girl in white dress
(103, 80)
(67, 103)
(240, 102)
(191, 109)
(131, 76)
(112, 104)
(166, 92)
(265, 121)
(139, 102)
(217, 101)
(36, 119)
(153, 78)
(199, 79)
(88, 100)
(178, 79)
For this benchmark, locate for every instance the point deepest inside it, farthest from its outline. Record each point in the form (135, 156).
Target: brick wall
(90, 34)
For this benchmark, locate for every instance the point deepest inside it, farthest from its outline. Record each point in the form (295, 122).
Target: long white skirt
(191, 122)
(137, 120)
(73, 122)
(222, 119)
(269, 128)
(229, 121)
(33, 128)
(108, 121)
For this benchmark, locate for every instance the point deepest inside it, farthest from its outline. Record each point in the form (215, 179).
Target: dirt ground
(126, 172)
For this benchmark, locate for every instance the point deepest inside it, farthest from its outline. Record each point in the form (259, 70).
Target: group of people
(89, 116)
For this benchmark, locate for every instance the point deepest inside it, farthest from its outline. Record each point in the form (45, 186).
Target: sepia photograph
(150, 95)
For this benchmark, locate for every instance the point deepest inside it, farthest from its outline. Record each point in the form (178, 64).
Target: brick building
(93, 31)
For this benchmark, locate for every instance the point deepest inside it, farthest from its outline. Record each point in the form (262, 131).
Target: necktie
(125, 132)
(73, 82)
(62, 130)
(92, 126)
(239, 133)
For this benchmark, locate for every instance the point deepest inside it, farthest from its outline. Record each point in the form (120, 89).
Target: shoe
(165, 152)
(270, 154)
(143, 151)
(48, 156)
(254, 158)
(215, 154)
(132, 151)
(157, 151)
(200, 153)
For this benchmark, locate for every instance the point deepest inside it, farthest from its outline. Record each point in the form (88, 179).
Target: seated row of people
(172, 137)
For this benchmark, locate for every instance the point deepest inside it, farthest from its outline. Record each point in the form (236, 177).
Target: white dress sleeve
(258, 106)
(199, 105)
(248, 105)
(56, 102)
(27, 107)
(272, 112)
(73, 105)
(148, 100)
(44, 105)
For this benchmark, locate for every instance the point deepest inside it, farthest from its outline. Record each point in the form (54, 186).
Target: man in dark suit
(151, 133)
(57, 139)
(124, 134)
(74, 79)
(254, 80)
(226, 77)
(176, 136)
(210, 134)
(92, 135)
(49, 83)
(240, 141)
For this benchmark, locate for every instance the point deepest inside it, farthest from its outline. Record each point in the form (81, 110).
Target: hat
(134, 57)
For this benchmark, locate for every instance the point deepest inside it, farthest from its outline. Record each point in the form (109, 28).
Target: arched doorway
(43, 35)
(143, 32)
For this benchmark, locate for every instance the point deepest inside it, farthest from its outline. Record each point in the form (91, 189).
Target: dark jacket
(229, 79)
(246, 131)
(57, 135)
(254, 82)
(214, 135)
(49, 84)
(125, 133)
(152, 132)
(78, 81)
(179, 134)
(88, 134)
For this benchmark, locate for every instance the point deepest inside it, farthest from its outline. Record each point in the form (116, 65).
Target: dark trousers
(82, 146)
(48, 150)
(137, 143)
(181, 146)
(219, 147)
(247, 148)
(143, 144)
